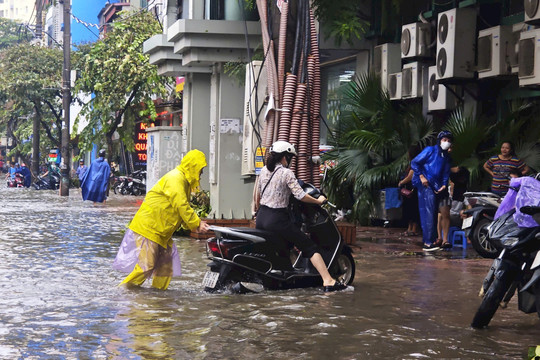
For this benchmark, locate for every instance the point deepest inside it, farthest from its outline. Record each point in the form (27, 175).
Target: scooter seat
(267, 235)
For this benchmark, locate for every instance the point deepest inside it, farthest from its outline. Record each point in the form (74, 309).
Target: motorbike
(249, 260)
(42, 183)
(135, 184)
(17, 182)
(518, 265)
(120, 185)
(480, 216)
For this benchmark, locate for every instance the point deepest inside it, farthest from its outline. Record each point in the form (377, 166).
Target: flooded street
(60, 300)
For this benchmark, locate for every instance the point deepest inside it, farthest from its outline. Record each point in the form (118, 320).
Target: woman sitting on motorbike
(274, 186)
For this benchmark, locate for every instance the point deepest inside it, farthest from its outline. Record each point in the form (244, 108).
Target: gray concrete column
(230, 192)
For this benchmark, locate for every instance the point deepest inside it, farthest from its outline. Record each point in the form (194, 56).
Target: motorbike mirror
(530, 210)
(534, 211)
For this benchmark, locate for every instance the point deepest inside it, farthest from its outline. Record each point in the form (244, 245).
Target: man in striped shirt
(500, 166)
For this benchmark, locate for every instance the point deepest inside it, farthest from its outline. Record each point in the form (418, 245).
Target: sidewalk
(388, 240)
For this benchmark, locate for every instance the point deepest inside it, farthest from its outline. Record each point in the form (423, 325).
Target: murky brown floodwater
(59, 300)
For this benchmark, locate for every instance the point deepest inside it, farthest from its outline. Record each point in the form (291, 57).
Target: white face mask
(445, 145)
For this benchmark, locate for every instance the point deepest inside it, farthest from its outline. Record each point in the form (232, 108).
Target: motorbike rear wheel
(480, 240)
(345, 268)
(492, 299)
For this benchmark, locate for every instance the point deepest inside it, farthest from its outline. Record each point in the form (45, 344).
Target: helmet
(102, 153)
(23, 164)
(81, 161)
(16, 164)
(283, 147)
(446, 134)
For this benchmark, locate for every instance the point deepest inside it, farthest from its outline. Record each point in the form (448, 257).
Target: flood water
(59, 299)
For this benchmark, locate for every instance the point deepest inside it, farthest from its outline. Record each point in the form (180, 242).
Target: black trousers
(278, 221)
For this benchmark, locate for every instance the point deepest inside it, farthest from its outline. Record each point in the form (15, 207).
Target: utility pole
(35, 123)
(65, 165)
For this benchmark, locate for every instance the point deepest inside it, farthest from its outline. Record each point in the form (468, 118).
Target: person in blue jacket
(431, 173)
(95, 181)
(24, 171)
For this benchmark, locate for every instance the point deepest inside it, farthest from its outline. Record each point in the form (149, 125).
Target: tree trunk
(35, 142)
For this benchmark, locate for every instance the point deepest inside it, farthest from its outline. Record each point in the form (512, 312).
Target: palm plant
(475, 140)
(470, 136)
(372, 139)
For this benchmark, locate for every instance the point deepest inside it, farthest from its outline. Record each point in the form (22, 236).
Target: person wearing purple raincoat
(95, 181)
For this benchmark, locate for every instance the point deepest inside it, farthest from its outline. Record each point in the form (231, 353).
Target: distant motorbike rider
(431, 173)
(24, 171)
(12, 170)
(52, 171)
(274, 186)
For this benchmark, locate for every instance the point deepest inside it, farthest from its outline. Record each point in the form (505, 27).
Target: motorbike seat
(267, 235)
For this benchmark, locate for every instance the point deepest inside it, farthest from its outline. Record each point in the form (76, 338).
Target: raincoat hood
(191, 166)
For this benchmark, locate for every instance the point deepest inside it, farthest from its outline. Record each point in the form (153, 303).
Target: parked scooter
(246, 259)
(120, 185)
(484, 206)
(518, 265)
(135, 184)
(17, 182)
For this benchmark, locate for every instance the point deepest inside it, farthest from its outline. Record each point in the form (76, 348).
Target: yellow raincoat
(166, 206)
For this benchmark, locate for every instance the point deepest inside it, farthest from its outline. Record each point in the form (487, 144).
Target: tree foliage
(30, 81)
(372, 142)
(12, 33)
(121, 80)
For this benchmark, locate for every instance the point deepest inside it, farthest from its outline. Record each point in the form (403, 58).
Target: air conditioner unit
(394, 86)
(495, 48)
(529, 58)
(415, 39)
(386, 61)
(254, 96)
(532, 11)
(517, 29)
(411, 80)
(439, 97)
(456, 36)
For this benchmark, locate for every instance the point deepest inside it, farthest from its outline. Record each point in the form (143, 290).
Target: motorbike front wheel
(345, 268)
(480, 240)
(492, 299)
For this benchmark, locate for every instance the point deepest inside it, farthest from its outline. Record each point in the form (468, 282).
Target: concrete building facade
(195, 45)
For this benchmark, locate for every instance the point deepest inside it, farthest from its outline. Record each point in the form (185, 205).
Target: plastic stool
(451, 232)
(459, 239)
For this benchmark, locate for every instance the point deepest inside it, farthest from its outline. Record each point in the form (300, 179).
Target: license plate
(467, 222)
(210, 279)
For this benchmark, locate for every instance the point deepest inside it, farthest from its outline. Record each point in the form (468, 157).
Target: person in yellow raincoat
(147, 248)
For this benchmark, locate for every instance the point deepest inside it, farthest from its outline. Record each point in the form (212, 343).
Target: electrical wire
(128, 17)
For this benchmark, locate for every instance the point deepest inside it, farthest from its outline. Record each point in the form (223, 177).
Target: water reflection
(60, 299)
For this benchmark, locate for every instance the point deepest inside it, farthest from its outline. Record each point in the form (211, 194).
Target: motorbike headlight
(509, 241)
